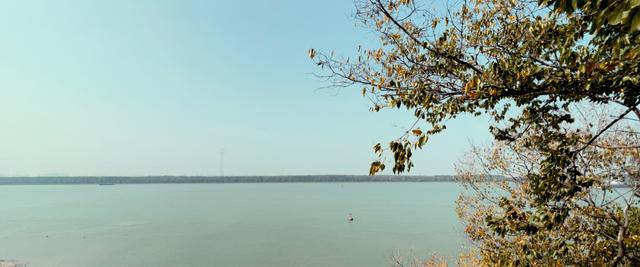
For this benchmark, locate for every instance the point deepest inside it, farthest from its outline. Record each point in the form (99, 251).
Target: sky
(161, 87)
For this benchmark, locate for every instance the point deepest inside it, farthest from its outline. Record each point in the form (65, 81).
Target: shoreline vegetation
(111, 180)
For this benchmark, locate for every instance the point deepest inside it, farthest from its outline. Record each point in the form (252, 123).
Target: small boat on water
(106, 184)
(350, 217)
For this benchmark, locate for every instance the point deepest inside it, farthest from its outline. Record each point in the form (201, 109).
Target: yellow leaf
(312, 53)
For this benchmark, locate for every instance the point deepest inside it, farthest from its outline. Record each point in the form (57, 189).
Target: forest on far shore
(218, 179)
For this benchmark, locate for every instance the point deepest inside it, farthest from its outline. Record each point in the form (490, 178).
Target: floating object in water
(616, 183)
(350, 217)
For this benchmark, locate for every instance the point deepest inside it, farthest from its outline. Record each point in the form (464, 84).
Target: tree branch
(386, 13)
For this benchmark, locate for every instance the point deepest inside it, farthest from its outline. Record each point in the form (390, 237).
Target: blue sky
(160, 87)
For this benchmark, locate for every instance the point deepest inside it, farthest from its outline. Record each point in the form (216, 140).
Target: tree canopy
(501, 57)
(512, 224)
(529, 65)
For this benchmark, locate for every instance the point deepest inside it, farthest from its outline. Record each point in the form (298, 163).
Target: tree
(600, 226)
(499, 57)
(615, 17)
(525, 64)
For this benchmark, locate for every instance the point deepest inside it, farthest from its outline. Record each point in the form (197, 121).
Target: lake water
(288, 224)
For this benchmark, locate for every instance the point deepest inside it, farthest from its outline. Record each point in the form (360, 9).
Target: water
(293, 224)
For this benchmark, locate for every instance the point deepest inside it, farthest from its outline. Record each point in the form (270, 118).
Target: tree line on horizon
(218, 179)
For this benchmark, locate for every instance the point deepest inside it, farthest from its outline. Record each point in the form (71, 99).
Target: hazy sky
(160, 87)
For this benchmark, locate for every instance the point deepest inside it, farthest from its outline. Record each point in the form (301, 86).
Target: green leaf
(635, 22)
(616, 17)
(568, 6)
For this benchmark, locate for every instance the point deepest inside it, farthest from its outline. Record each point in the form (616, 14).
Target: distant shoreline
(114, 180)
(11, 263)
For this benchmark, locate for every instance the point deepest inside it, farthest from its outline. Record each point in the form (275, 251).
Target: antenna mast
(222, 162)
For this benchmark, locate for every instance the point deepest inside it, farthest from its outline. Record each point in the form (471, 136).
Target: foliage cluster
(531, 67)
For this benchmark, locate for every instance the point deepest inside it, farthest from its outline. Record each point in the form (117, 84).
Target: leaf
(422, 140)
(377, 148)
(312, 53)
(616, 17)
(472, 84)
(543, 3)
(373, 169)
(635, 22)
(568, 7)
(376, 167)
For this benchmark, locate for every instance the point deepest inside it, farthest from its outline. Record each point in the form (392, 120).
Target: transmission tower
(222, 162)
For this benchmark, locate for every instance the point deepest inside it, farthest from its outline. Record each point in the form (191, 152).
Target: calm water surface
(290, 224)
